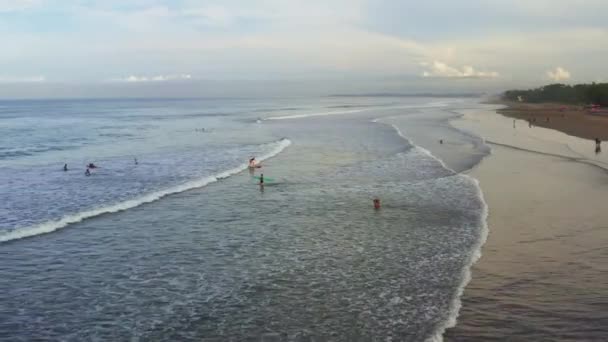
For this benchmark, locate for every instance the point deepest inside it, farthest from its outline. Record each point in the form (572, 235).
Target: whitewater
(51, 226)
(184, 245)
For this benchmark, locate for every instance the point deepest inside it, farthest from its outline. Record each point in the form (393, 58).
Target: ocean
(172, 238)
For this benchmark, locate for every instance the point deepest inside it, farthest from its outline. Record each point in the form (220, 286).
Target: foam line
(299, 116)
(456, 304)
(51, 226)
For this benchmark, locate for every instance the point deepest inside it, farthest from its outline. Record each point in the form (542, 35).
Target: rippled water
(306, 255)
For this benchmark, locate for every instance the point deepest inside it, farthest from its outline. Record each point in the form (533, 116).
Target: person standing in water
(598, 145)
(87, 172)
(252, 162)
(376, 203)
(135, 160)
(65, 167)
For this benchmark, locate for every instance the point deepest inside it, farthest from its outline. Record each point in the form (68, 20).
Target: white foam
(456, 304)
(297, 116)
(419, 148)
(51, 226)
(307, 115)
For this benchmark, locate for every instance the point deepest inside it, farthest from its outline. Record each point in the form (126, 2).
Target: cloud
(7, 6)
(559, 74)
(29, 79)
(440, 69)
(238, 39)
(157, 78)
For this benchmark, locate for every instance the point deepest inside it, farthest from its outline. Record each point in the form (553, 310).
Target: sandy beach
(542, 275)
(570, 119)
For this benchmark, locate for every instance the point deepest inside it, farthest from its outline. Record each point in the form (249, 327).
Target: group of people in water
(91, 166)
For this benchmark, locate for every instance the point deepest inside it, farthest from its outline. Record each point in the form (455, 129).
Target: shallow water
(306, 255)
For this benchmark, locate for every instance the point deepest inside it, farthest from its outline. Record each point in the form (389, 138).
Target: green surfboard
(266, 179)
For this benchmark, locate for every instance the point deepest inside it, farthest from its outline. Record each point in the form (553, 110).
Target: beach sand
(570, 119)
(543, 274)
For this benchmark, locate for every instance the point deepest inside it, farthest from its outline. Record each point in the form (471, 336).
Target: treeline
(595, 93)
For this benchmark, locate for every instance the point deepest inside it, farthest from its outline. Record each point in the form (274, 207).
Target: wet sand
(543, 274)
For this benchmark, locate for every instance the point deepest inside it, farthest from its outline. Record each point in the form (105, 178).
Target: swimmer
(91, 166)
(87, 172)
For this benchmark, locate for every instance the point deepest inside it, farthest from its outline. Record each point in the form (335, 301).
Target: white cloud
(212, 16)
(559, 74)
(29, 79)
(157, 78)
(18, 5)
(234, 39)
(440, 69)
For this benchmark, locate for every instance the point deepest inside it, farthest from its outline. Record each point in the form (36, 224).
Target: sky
(189, 47)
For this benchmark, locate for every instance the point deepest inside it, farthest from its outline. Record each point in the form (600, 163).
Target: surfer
(91, 166)
(87, 172)
(65, 167)
(262, 183)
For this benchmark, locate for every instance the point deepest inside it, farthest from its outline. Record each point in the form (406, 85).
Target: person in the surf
(135, 160)
(252, 163)
(91, 166)
(65, 167)
(87, 172)
(598, 145)
(262, 183)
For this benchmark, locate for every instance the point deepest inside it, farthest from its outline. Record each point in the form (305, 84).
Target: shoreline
(540, 276)
(570, 119)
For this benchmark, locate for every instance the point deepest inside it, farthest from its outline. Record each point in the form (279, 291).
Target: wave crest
(51, 226)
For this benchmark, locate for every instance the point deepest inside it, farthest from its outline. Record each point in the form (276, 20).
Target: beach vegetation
(584, 94)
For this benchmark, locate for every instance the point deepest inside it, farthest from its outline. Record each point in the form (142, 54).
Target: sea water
(184, 244)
